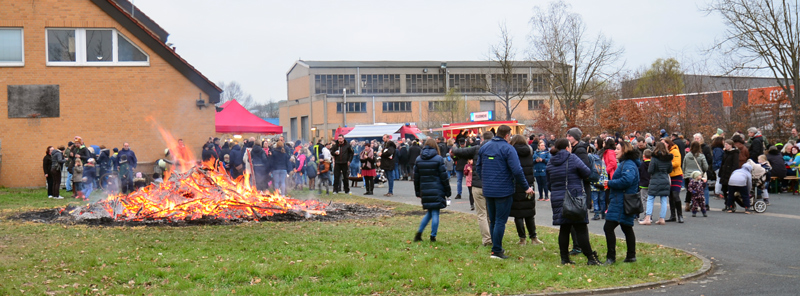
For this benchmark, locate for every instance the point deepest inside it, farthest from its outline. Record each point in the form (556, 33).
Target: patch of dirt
(334, 212)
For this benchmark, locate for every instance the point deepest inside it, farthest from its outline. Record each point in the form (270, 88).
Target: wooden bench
(793, 180)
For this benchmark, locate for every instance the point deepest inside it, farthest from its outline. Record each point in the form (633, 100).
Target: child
(448, 166)
(125, 177)
(598, 189)
(77, 179)
(324, 175)
(157, 180)
(89, 177)
(644, 180)
(468, 177)
(762, 160)
(139, 181)
(311, 171)
(226, 164)
(696, 188)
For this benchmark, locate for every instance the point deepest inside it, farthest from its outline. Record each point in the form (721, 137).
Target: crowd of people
(501, 172)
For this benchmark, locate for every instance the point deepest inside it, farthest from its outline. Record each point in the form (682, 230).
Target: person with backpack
(598, 187)
(311, 172)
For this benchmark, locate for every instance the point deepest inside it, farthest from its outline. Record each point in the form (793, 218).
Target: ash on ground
(96, 215)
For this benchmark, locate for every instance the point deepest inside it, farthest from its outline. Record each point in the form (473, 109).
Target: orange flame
(201, 191)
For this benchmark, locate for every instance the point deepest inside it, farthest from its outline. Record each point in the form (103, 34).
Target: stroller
(757, 203)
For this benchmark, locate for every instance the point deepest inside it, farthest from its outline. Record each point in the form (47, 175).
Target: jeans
(705, 192)
(664, 202)
(279, 180)
(354, 171)
(541, 184)
(433, 217)
(390, 178)
(69, 181)
(460, 176)
(598, 198)
(743, 193)
(88, 187)
(498, 210)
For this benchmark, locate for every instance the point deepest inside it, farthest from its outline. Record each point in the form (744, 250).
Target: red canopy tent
(236, 119)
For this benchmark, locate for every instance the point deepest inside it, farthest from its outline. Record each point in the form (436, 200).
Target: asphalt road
(752, 254)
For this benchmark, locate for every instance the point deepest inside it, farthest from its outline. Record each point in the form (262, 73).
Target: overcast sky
(255, 42)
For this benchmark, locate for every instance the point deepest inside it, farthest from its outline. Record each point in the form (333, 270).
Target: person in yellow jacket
(676, 182)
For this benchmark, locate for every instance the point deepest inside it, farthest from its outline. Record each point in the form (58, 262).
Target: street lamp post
(344, 106)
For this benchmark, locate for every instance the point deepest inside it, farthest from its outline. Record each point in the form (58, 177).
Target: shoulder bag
(705, 175)
(632, 203)
(574, 207)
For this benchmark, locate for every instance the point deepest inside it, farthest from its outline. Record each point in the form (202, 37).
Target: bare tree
(509, 87)
(764, 35)
(449, 110)
(578, 64)
(267, 110)
(233, 91)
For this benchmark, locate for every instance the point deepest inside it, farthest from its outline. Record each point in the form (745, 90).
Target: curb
(704, 270)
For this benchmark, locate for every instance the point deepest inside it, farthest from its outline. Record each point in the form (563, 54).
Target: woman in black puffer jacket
(523, 209)
(432, 186)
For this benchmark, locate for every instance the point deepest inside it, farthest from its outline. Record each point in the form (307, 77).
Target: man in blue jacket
(499, 167)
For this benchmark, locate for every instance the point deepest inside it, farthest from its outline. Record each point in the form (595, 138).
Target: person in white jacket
(741, 181)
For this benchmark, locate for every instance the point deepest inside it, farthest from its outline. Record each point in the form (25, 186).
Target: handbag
(574, 207)
(632, 204)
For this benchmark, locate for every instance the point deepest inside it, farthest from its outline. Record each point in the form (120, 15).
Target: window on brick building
(441, 106)
(11, 47)
(334, 84)
(468, 83)
(396, 107)
(424, 83)
(92, 47)
(352, 107)
(381, 84)
(535, 104)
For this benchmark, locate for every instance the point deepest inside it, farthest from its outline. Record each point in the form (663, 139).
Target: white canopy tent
(373, 131)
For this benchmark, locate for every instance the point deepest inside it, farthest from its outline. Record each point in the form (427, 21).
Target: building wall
(104, 105)
(298, 88)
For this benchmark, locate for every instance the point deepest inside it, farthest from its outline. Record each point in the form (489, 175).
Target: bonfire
(198, 191)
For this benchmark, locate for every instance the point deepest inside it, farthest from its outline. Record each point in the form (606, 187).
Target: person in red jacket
(610, 159)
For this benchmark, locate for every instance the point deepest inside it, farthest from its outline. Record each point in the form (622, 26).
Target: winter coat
(57, 161)
(581, 149)
(691, 162)
(104, 161)
(498, 165)
(131, 157)
(261, 165)
(90, 173)
(449, 164)
(402, 155)
(77, 174)
(709, 159)
(443, 149)
(413, 152)
(610, 159)
(557, 174)
(345, 152)
(717, 162)
(471, 152)
(624, 181)
(430, 180)
(644, 175)
(730, 163)
(757, 147)
(540, 168)
(387, 156)
(468, 174)
(744, 153)
(523, 206)
(659, 170)
(778, 165)
(676, 161)
(681, 143)
(311, 169)
(742, 177)
(280, 160)
(47, 163)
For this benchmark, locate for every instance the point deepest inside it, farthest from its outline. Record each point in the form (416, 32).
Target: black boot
(680, 218)
(418, 237)
(679, 211)
(565, 261)
(672, 217)
(458, 196)
(593, 259)
(433, 239)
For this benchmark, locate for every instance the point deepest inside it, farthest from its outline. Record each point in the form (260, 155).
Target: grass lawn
(352, 257)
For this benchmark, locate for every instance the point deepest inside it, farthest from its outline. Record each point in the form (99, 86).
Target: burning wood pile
(199, 193)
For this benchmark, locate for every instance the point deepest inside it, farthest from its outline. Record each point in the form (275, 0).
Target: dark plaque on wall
(33, 101)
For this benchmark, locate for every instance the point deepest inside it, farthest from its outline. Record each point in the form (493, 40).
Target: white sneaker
(49, 196)
(59, 197)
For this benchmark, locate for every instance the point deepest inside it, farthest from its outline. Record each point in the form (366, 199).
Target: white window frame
(80, 50)
(15, 64)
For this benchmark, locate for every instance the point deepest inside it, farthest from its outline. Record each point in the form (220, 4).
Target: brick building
(401, 92)
(94, 68)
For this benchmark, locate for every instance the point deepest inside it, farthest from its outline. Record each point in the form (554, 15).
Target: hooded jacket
(498, 165)
(104, 161)
(742, 177)
(57, 160)
(132, 161)
(431, 184)
(717, 153)
(775, 160)
(90, 173)
(610, 159)
(757, 147)
(624, 181)
(540, 168)
(413, 152)
(280, 160)
(557, 174)
(522, 206)
(659, 169)
(676, 161)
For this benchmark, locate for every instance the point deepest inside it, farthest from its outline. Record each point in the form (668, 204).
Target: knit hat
(70, 143)
(575, 133)
(719, 131)
(695, 174)
(663, 131)
(116, 150)
(752, 130)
